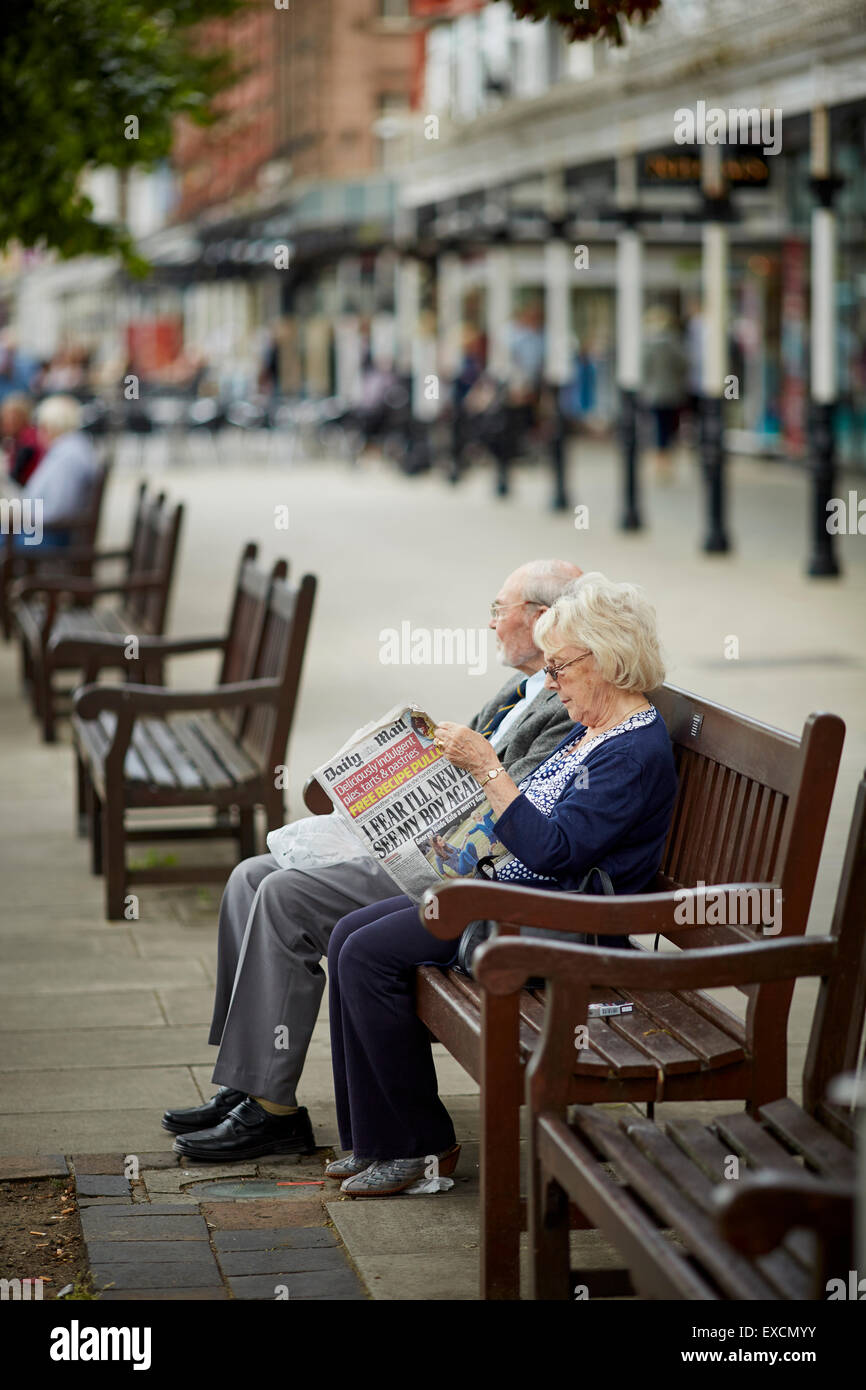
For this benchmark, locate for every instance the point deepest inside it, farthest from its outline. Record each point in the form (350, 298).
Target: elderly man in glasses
(275, 923)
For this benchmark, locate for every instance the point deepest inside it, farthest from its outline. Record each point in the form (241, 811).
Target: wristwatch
(494, 772)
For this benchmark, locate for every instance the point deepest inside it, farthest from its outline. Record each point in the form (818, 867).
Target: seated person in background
(275, 923)
(21, 442)
(63, 481)
(603, 799)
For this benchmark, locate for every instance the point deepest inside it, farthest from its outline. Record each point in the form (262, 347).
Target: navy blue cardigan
(614, 816)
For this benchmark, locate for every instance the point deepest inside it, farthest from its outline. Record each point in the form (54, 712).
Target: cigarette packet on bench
(607, 1010)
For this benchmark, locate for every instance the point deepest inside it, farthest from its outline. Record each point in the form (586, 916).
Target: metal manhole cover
(231, 1191)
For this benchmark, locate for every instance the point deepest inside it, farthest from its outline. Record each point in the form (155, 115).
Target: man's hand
(465, 748)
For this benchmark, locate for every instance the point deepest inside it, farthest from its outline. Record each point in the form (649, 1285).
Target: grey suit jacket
(532, 737)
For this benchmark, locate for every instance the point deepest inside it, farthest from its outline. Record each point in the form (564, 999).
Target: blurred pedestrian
(17, 370)
(62, 483)
(21, 442)
(664, 383)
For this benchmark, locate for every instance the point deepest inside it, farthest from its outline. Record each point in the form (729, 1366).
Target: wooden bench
(143, 746)
(752, 804)
(53, 609)
(76, 558)
(739, 1194)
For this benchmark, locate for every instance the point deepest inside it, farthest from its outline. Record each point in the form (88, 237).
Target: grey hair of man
(545, 580)
(526, 593)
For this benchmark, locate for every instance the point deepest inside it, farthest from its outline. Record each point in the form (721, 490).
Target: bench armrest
(86, 588)
(756, 1213)
(316, 799)
(447, 910)
(107, 649)
(133, 700)
(503, 966)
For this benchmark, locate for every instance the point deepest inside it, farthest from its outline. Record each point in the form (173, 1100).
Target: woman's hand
(465, 748)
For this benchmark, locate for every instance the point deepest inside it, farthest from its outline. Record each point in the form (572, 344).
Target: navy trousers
(388, 1102)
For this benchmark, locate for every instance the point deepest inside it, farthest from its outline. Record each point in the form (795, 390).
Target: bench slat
(714, 1047)
(664, 1050)
(741, 1136)
(671, 1205)
(179, 770)
(211, 771)
(133, 767)
(229, 752)
(821, 1150)
(160, 767)
(568, 1158)
(697, 1166)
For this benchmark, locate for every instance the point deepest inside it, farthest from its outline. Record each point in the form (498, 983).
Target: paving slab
(105, 1202)
(188, 1006)
(175, 1274)
(131, 1131)
(79, 977)
(214, 1294)
(274, 1237)
(128, 1048)
(423, 1224)
(312, 1284)
(107, 1087)
(152, 1159)
(32, 947)
(63, 1012)
(32, 1166)
(101, 1185)
(99, 1164)
(443, 1275)
(161, 1222)
(236, 1262)
(236, 1216)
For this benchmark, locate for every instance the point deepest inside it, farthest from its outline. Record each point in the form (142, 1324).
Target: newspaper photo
(422, 818)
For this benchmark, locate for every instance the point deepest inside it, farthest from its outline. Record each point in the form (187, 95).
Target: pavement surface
(104, 1024)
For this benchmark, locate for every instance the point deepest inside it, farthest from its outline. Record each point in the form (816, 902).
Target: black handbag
(477, 932)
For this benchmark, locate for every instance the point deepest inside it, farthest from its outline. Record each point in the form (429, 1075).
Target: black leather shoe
(249, 1132)
(203, 1116)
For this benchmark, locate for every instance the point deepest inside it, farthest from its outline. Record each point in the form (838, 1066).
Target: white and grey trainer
(347, 1167)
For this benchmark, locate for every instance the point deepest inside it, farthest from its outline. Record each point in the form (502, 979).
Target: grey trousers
(274, 926)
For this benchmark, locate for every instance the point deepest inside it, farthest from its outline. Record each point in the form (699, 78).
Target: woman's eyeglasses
(554, 672)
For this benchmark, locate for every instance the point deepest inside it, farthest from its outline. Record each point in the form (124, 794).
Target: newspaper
(421, 817)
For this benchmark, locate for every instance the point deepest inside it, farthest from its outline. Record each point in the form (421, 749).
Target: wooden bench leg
(81, 780)
(550, 1276)
(500, 1148)
(44, 693)
(94, 817)
(114, 840)
(247, 831)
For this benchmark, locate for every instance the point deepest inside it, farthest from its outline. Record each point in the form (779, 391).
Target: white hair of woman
(615, 622)
(58, 415)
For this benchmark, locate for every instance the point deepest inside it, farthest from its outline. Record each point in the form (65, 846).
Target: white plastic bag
(315, 842)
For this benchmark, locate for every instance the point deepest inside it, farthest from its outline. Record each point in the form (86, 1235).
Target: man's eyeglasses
(554, 672)
(497, 609)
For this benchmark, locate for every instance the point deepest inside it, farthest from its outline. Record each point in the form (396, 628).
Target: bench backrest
(246, 622)
(155, 553)
(752, 803)
(837, 1037)
(143, 532)
(84, 533)
(264, 731)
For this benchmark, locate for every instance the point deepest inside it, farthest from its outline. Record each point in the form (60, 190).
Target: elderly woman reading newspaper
(603, 799)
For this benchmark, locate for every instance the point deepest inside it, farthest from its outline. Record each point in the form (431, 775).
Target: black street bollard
(712, 453)
(558, 442)
(822, 447)
(500, 444)
(628, 433)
